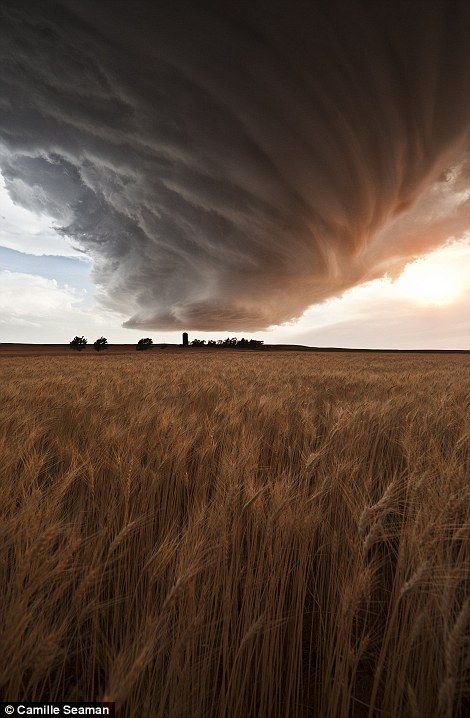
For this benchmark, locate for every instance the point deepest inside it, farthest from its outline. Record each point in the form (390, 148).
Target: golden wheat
(225, 533)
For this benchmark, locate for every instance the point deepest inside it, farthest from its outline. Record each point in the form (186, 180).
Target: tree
(211, 343)
(78, 343)
(100, 344)
(198, 342)
(143, 344)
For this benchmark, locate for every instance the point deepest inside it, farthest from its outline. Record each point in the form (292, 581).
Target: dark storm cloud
(228, 164)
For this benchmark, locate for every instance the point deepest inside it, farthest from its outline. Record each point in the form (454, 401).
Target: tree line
(79, 343)
(229, 342)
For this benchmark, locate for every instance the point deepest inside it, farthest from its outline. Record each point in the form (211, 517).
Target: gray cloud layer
(228, 164)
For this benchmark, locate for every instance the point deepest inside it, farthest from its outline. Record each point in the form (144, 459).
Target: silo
(185, 339)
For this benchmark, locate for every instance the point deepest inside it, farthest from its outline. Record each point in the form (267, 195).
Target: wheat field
(225, 533)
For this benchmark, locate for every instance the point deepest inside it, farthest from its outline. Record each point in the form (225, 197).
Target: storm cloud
(226, 165)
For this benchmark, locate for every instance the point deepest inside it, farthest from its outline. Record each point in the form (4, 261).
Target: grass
(236, 533)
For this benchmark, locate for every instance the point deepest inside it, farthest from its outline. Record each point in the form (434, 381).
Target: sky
(299, 175)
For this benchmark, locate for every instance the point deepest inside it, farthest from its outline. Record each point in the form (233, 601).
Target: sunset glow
(429, 282)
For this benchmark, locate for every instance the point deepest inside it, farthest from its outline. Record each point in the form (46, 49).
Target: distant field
(202, 533)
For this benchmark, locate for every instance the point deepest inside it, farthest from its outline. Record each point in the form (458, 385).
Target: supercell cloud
(228, 164)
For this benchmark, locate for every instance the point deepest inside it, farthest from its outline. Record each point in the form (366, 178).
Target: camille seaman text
(25, 708)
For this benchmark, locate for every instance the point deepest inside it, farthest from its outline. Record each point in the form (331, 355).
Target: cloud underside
(227, 165)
